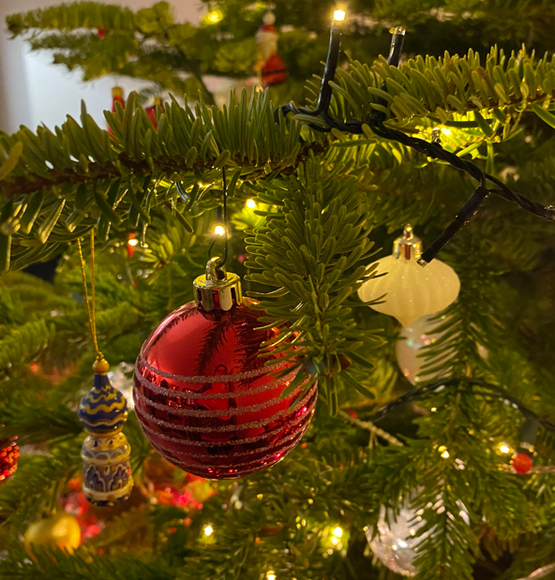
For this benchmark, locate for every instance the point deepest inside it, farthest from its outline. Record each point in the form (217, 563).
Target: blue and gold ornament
(105, 453)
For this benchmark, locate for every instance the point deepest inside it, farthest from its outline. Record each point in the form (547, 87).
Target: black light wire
(482, 388)
(433, 149)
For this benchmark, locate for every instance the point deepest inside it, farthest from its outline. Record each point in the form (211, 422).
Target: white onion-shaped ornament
(410, 290)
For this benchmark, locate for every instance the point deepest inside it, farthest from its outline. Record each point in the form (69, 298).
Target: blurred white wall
(34, 91)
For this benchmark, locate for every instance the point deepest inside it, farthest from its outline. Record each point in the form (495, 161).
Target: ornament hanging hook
(223, 260)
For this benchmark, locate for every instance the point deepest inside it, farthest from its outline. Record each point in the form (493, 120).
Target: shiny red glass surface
(522, 463)
(206, 400)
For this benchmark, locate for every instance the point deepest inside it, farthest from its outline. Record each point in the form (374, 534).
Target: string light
(208, 530)
(214, 16)
(504, 448)
(338, 532)
(420, 145)
(446, 131)
(219, 230)
(133, 242)
(339, 15)
(251, 204)
(271, 575)
(444, 453)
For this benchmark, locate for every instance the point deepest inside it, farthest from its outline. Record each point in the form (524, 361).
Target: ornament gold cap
(101, 366)
(217, 289)
(117, 92)
(408, 245)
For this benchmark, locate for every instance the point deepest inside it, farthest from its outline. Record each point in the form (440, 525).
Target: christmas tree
(376, 398)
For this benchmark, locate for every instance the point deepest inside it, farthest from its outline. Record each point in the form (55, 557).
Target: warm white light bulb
(251, 204)
(446, 131)
(337, 532)
(214, 16)
(271, 575)
(444, 453)
(219, 230)
(504, 448)
(133, 241)
(208, 530)
(339, 15)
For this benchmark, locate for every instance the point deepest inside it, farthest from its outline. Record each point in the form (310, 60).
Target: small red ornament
(101, 33)
(522, 462)
(203, 395)
(9, 456)
(132, 241)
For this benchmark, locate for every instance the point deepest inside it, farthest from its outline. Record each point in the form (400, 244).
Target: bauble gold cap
(101, 366)
(217, 289)
(408, 245)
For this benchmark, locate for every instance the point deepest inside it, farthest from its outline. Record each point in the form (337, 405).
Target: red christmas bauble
(9, 456)
(206, 400)
(522, 462)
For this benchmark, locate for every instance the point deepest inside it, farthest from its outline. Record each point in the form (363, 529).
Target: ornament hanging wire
(90, 302)
(226, 225)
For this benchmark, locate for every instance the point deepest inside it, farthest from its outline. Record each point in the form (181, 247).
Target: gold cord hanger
(101, 365)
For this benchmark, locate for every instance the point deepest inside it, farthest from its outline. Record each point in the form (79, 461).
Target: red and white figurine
(271, 66)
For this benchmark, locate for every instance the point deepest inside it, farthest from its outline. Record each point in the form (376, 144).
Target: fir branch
(61, 566)
(439, 87)
(36, 474)
(310, 256)
(23, 343)
(36, 420)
